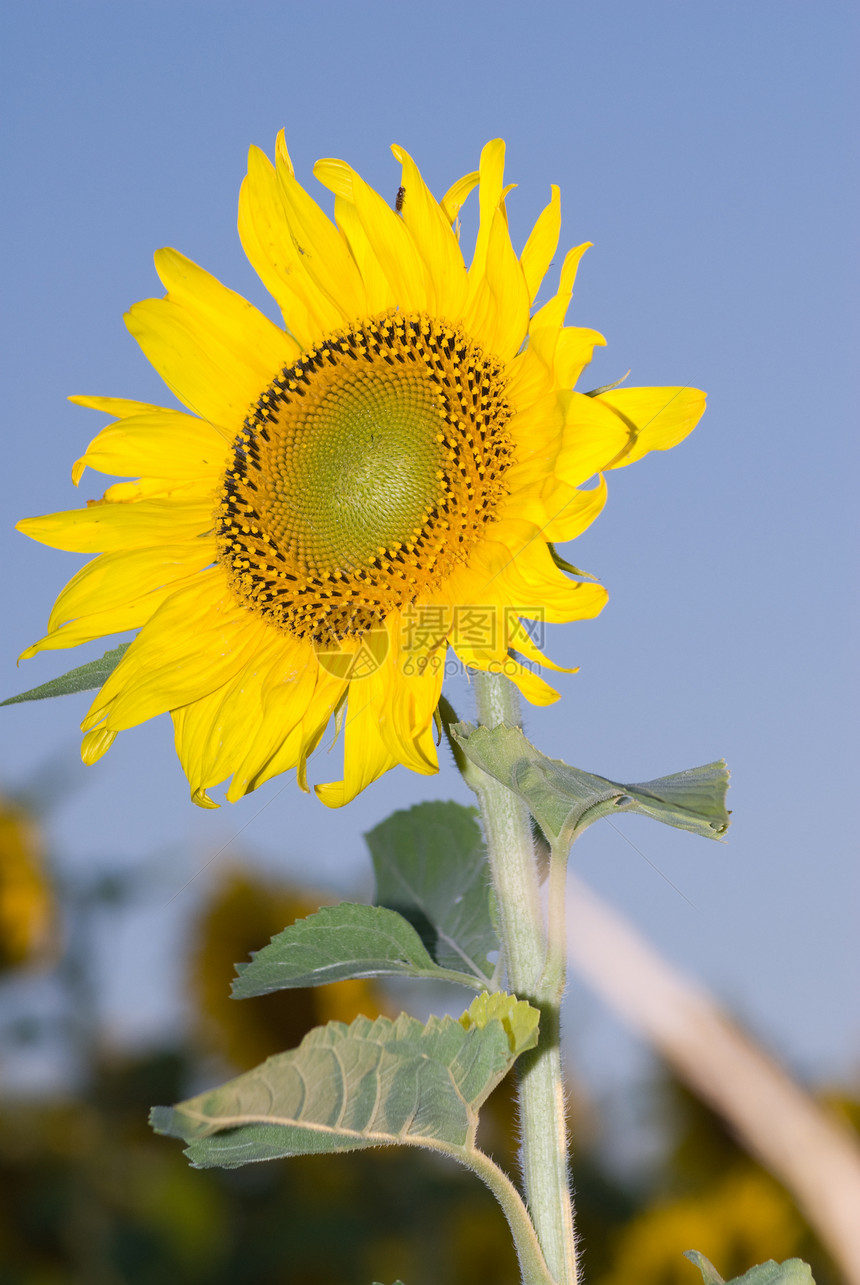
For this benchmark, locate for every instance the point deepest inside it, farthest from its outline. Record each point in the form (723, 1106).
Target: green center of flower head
(364, 476)
(361, 469)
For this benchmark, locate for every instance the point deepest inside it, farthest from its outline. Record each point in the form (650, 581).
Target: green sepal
(564, 565)
(792, 1272)
(607, 388)
(369, 1084)
(86, 678)
(564, 800)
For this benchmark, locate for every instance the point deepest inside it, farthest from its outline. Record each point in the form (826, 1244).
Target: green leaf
(564, 800)
(85, 678)
(337, 942)
(431, 866)
(792, 1272)
(369, 1084)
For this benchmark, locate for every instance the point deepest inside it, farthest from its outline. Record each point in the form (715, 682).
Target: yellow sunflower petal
(538, 431)
(392, 247)
(117, 619)
(593, 435)
(535, 587)
(366, 756)
(536, 690)
(655, 418)
(453, 200)
(199, 370)
(99, 624)
(542, 244)
(103, 527)
(96, 744)
(524, 644)
(288, 690)
(264, 230)
(492, 170)
(199, 639)
(497, 307)
(553, 312)
(121, 407)
(336, 175)
(323, 253)
(430, 229)
(179, 490)
(117, 579)
(571, 509)
(573, 351)
(212, 348)
(225, 317)
(413, 685)
(529, 380)
(212, 733)
(300, 744)
(157, 443)
(377, 288)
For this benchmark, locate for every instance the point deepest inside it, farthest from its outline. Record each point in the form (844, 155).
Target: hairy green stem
(535, 967)
(533, 1266)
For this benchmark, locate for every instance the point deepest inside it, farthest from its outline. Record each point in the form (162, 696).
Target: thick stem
(537, 975)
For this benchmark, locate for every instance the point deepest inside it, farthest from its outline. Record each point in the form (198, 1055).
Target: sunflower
(349, 495)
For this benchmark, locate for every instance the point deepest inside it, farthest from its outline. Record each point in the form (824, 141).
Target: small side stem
(533, 1265)
(535, 972)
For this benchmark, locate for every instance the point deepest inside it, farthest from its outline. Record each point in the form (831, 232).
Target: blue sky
(705, 149)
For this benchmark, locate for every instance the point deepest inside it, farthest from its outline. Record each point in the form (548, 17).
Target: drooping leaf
(792, 1272)
(348, 940)
(369, 1084)
(565, 800)
(86, 678)
(431, 867)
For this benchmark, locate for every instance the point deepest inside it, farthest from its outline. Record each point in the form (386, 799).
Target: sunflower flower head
(351, 494)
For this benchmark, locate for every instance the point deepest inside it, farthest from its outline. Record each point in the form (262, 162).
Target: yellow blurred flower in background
(28, 924)
(742, 1219)
(242, 912)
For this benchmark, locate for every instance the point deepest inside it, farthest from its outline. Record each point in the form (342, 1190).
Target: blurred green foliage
(89, 1196)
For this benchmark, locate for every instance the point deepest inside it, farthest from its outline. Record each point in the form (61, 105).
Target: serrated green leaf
(792, 1272)
(348, 940)
(86, 678)
(431, 867)
(345, 1088)
(564, 800)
